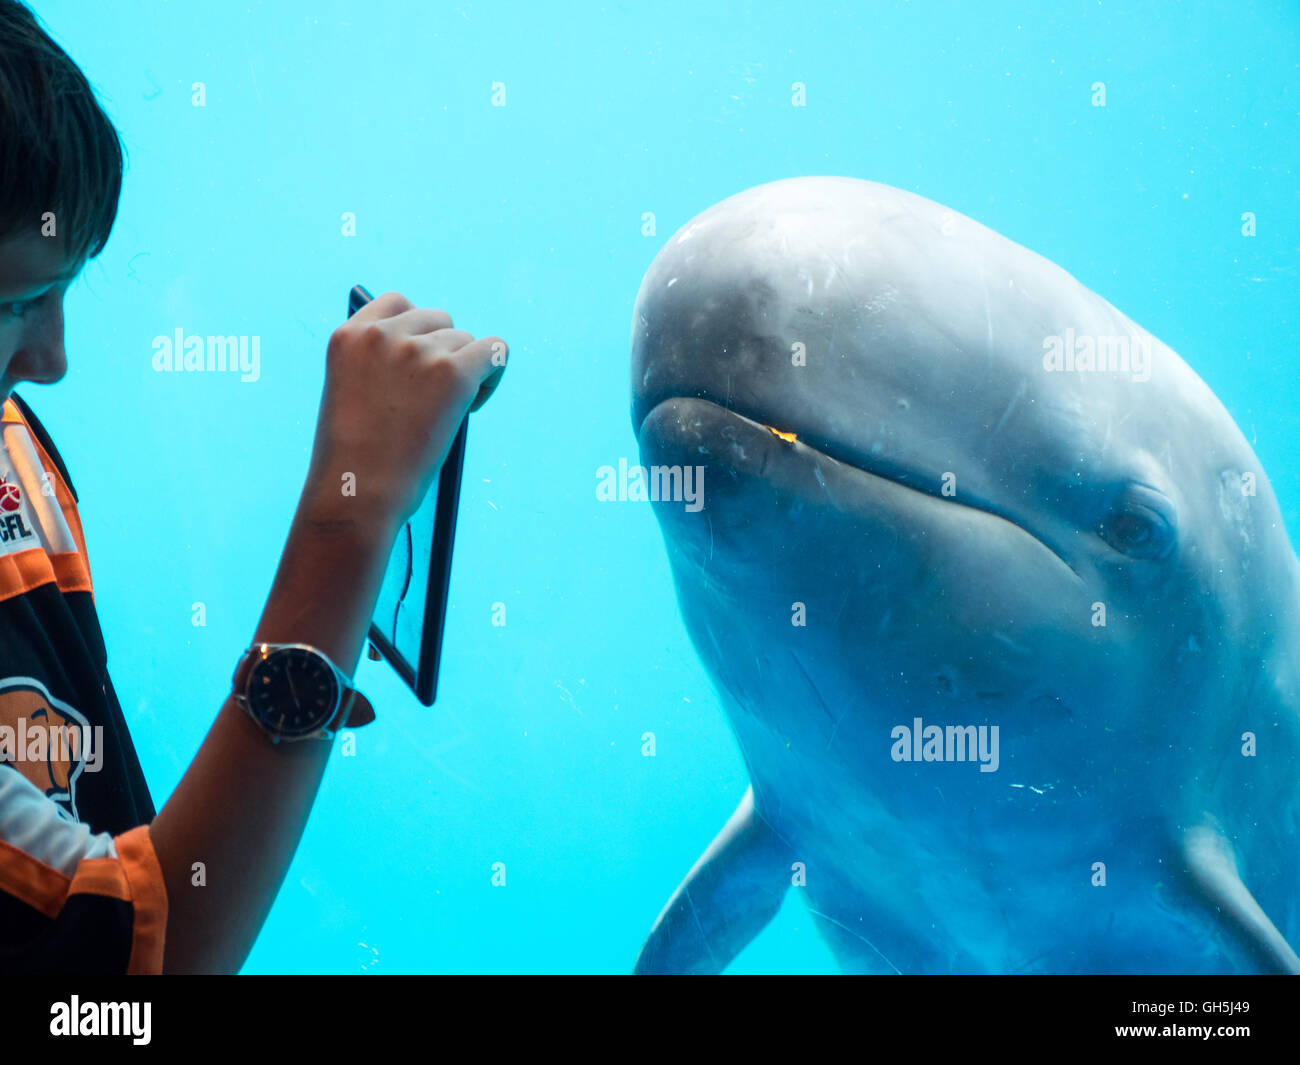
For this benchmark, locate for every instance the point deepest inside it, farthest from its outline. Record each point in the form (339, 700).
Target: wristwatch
(294, 692)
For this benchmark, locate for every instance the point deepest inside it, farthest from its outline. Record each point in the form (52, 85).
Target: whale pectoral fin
(727, 898)
(1212, 865)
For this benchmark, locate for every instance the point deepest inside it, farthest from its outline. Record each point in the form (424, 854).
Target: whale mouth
(796, 441)
(801, 447)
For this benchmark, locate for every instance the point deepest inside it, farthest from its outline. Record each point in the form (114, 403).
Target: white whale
(997, 503)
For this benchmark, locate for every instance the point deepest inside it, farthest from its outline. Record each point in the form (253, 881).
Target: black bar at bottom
(590, 1017)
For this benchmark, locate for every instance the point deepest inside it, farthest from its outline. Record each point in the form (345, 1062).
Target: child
(90, 879)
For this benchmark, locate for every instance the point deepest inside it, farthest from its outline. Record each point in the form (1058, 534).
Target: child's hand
(399, 380)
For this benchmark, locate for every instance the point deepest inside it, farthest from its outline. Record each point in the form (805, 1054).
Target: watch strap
(359, 713)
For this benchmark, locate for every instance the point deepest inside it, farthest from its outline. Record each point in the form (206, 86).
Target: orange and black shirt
(81, 890)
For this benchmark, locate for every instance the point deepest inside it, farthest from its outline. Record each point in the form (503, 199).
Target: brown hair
(58, 150)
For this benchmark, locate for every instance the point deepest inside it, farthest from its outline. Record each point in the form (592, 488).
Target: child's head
(60, 177)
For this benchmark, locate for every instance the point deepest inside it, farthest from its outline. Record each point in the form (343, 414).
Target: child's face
(34, 275)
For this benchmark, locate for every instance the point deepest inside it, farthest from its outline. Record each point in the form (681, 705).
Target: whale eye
(1140, 523)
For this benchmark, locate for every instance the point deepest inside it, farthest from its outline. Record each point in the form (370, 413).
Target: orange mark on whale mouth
(789, 438)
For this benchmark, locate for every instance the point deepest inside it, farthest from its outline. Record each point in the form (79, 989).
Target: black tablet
(406, 628)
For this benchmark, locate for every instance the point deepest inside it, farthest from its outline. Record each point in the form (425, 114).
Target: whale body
(995, 595)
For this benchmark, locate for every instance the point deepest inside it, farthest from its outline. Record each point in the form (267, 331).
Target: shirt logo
(47, 741)
(14, 530)
(10, 497)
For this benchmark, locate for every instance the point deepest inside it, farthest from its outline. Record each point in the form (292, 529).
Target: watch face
(292, 691)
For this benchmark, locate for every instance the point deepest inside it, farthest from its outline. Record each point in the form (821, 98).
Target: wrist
(324, 510)
(329, 576)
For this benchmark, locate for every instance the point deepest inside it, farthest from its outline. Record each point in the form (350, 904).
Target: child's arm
(398, 384)
(243, 804)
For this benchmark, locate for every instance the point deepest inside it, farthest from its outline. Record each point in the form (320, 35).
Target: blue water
(526, 221)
